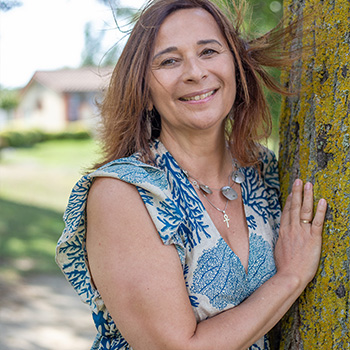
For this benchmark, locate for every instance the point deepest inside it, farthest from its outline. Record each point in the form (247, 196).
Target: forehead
(187, 26)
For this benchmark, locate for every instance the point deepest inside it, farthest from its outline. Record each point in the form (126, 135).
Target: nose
(194, 71)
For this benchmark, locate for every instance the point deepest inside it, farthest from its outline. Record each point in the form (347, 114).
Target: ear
(150, 105)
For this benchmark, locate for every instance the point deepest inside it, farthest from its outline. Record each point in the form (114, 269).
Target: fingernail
(308, 186)
(297, 182)
(322, 202)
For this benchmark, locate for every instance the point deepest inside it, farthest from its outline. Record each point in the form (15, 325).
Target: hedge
(28, 138)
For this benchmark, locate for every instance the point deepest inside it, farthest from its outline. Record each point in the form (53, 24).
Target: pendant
(229, 193)
(226, 219)
(237, 177)
(205, 189)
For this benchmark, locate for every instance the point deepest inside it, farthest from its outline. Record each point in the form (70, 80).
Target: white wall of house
(41, 108)
(5, 118)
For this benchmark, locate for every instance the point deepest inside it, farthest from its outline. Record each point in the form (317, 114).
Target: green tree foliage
(265, 15)
(262, 15)
(9, 99)
(7, 5)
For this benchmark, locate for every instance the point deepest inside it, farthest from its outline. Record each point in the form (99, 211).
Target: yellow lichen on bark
(315, 146)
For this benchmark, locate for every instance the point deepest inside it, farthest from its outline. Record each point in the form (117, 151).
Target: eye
(208, 52)
(168, 62)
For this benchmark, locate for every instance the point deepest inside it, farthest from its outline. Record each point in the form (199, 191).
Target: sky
(49, 34)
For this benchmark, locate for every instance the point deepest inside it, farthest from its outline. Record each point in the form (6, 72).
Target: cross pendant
(226, 219)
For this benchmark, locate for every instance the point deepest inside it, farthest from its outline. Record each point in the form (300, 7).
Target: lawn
(34, 187)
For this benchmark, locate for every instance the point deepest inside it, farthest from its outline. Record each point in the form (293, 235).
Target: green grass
(28, 237)
(34, 187)
(56, 153)
(44, 174)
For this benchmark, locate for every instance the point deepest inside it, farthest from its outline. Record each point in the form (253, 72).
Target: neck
(205, 158)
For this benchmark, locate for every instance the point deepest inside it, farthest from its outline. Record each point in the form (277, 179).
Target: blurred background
(55, 60)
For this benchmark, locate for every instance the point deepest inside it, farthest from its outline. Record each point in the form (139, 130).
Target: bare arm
(141, 279)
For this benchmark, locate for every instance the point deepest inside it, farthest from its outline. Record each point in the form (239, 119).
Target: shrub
(9, 99)
(28, 138)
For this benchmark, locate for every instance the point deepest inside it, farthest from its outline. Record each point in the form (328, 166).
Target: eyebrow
(167, 50)
(174, 48)
(209, 41)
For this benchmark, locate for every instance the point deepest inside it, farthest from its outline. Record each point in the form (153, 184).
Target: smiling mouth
(198, 97)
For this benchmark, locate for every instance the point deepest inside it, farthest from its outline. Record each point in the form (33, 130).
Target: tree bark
(315, 146)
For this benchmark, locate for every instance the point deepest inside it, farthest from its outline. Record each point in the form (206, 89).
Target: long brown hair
(124, 110)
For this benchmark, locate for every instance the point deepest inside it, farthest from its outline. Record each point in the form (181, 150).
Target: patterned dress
(215, 277)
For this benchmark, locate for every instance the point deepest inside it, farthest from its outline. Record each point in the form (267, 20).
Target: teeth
(198, 97)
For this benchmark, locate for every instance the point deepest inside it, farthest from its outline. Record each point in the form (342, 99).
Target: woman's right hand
(298, 248)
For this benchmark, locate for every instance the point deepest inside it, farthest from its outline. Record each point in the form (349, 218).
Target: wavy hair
(126, 120)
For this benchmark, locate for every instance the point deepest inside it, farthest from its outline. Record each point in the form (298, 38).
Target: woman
(172, 240)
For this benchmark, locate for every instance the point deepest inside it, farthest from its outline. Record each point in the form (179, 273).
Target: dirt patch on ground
(43, 313)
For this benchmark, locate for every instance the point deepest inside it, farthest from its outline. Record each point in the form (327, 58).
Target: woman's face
(192, 76)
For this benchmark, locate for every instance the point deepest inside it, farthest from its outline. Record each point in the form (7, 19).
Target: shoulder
(110, 193)
(110, 187)
(115, 210)
(117, 187)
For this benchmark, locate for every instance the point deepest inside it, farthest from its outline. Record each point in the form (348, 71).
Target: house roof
(86, 79)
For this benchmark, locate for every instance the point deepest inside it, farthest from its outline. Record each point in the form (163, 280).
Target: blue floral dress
(215, 277)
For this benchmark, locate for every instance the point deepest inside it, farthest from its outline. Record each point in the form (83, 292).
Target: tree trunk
(315, 146)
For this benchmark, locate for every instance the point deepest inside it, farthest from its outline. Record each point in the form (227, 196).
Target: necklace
(227, 191)
(223, 211)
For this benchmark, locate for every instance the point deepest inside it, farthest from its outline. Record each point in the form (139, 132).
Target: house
(52, 100)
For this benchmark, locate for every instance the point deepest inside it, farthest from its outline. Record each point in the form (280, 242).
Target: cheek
(227, 72)
(155, 93)
(165, 78)
(159, 98)
(161, 86)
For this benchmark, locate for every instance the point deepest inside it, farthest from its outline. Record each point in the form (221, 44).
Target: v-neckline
(161, 150)
(217, 232)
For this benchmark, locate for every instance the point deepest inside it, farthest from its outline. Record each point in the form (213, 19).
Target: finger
(308, 204)
(317, 222)
(297, 191)
(285, 217)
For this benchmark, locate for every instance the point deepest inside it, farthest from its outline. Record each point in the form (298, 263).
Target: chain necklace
(223, 211)
(227, 191)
